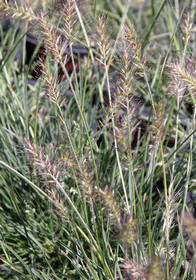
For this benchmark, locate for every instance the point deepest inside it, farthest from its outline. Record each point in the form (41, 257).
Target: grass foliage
(97, 140)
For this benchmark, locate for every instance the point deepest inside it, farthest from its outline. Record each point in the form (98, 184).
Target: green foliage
(97, 125)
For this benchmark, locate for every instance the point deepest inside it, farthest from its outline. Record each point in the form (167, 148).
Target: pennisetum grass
(97, 124)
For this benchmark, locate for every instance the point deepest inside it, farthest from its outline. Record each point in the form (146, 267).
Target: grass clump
(97, 140)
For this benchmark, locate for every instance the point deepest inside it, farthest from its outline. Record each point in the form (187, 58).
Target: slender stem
(166, 207)
(84, 31)
(151, 176)
(176, 137)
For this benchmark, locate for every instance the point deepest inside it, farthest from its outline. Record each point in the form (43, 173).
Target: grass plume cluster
(97, 134)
